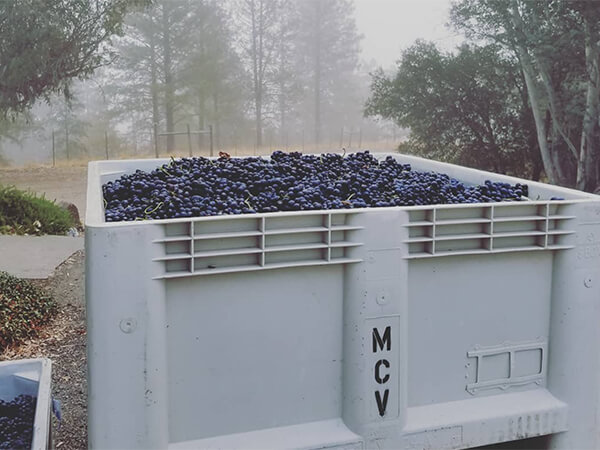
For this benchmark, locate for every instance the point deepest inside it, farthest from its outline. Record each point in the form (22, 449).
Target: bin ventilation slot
(505, 366)
(507, 227)
(225, 245)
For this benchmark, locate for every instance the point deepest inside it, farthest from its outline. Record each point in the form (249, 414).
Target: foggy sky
(389, 26)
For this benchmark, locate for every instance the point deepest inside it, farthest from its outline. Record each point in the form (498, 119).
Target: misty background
(510, 87)
(251, 77)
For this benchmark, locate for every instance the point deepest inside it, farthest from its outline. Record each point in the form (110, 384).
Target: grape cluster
(16, 422)
(194, 187)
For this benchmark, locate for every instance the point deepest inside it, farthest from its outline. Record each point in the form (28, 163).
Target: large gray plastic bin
(31, 377)
(449, 326)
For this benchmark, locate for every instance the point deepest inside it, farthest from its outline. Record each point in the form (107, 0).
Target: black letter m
(381, 342)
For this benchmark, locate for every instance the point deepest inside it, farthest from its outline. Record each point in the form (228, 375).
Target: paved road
(35, 257)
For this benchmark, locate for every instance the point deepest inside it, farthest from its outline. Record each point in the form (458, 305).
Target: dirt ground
(64, 342)
(66, 184)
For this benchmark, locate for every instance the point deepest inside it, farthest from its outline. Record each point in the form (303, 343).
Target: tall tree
(258, 22)
(46, 44)
(287, 87)
(171, 13)
(211, 74)
(556, 43)
(328, 47)
(465, 108)
(149, 64)
(177, 65)
(134, 82)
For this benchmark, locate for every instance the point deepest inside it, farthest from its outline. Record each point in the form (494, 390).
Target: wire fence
(57, 147)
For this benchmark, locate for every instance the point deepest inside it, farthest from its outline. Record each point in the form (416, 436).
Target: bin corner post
(374, 336)
(574, 348)
(126, 340)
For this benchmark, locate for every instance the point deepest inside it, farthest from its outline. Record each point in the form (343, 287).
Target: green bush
(24, 309)
(25, 213)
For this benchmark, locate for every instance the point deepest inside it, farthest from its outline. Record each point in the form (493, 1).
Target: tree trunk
(168, 73)
(494, 147)
(317, 71)
(554, 143)
(586, 166)
(258, 119)
(67, 139)
(67, 129)
(536, 170)
(535, 100)
(555, 153)
(548, 160)
(554, 110)
(257, 56)
(282, 58)
(282, 116)
(201, 118)
(154, 93)
(533, 155)
(217, 128)
(202, 122)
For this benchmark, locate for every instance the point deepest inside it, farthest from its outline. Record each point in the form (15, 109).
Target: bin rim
(94, 216)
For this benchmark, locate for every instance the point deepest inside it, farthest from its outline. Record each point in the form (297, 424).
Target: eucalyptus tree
(557, 44)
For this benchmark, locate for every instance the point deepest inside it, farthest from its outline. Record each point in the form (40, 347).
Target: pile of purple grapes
(16, 422)
(195, 187)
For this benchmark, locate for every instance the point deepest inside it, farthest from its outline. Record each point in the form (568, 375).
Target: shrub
(24, 309)
(25, 213)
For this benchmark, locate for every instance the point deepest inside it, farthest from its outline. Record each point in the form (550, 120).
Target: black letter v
(381, 405)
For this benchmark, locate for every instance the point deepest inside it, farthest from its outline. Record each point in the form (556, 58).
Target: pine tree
(328, 46)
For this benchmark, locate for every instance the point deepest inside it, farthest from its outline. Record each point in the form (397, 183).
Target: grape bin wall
(426, 327)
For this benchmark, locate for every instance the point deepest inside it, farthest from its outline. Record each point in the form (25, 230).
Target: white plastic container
(31, 377)
(429, 327)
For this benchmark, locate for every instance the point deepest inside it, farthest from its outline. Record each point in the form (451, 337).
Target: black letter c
(378, 378)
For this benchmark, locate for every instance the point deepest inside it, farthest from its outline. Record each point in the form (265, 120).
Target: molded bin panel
(424, 327)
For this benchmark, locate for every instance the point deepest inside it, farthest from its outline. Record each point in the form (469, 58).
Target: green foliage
(46, 44)
(25, 213)
(464, 108)
(557, 46)
(524, 95)
(24, 309)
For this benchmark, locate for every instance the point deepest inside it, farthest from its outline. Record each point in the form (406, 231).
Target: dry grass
(182, 151)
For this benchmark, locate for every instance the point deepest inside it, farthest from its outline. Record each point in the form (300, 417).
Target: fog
(389, 26)
(187, 76)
